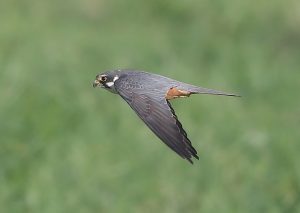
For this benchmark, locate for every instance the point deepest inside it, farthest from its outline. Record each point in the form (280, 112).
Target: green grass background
(66, 147)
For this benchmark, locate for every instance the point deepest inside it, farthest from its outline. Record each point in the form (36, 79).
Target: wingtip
(189, 159)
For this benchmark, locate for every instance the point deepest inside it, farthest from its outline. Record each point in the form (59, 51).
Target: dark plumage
(148, 95)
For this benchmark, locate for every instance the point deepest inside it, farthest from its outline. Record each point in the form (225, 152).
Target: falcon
(149, 96)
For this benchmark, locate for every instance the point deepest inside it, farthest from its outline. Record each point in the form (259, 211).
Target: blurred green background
(66, 147)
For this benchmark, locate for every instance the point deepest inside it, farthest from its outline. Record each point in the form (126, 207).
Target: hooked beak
(97, 83)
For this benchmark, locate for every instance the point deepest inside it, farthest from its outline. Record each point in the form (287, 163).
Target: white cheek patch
(115, 78)
(110, 84)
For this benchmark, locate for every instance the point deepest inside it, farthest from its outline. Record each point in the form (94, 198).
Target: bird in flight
(148, 95)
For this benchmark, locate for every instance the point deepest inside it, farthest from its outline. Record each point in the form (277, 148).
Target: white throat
(112, 83)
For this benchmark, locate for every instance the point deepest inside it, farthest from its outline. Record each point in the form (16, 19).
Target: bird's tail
(201, 90)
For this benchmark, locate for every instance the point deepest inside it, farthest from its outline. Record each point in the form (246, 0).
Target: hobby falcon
(148, 95)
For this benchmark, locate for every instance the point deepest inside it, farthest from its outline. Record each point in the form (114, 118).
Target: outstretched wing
(159, 116)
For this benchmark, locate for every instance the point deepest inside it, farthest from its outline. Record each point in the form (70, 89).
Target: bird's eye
(103, 78)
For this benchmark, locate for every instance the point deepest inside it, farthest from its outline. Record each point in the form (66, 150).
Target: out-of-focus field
(66, 147)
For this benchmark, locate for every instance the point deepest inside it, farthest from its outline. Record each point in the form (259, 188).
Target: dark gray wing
(160, 117)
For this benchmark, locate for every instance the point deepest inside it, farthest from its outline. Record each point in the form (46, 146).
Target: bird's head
(107, 81)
